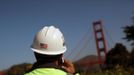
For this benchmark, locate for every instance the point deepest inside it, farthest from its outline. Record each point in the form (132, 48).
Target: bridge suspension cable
(84, 48)
(110, 37)
(76, 48)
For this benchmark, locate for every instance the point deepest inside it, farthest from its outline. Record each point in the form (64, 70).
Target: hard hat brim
(50, 52)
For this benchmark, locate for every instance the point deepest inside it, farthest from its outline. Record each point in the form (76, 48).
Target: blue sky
(21, 19)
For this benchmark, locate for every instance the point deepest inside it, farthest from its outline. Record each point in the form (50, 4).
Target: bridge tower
(100, 41)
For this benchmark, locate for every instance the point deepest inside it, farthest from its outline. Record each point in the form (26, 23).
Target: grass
(118, 70)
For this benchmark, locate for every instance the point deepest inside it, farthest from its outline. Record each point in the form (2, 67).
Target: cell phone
(61, 61)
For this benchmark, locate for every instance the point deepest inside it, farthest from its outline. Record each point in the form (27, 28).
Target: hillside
(88, 63)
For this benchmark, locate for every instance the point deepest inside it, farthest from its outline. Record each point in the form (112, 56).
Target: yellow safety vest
(46, 71)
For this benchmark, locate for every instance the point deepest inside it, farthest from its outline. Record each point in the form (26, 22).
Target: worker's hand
(68, 66)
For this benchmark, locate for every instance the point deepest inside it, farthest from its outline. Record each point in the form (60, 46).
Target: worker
(49, 47)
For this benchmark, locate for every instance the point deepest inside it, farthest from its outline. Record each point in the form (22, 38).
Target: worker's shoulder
(47, 71)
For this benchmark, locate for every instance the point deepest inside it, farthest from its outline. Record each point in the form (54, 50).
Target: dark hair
(47, 58)
(46, 61)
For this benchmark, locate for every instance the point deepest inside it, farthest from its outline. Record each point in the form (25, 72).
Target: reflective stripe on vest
(46, 71)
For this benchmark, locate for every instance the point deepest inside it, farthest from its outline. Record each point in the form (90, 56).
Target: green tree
(117, 56)
(19, 69)
(131, 62)
(129, 32)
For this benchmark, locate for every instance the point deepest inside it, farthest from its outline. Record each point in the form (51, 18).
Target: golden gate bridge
(100, 41)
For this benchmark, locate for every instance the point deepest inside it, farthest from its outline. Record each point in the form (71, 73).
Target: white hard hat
(49, 41)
